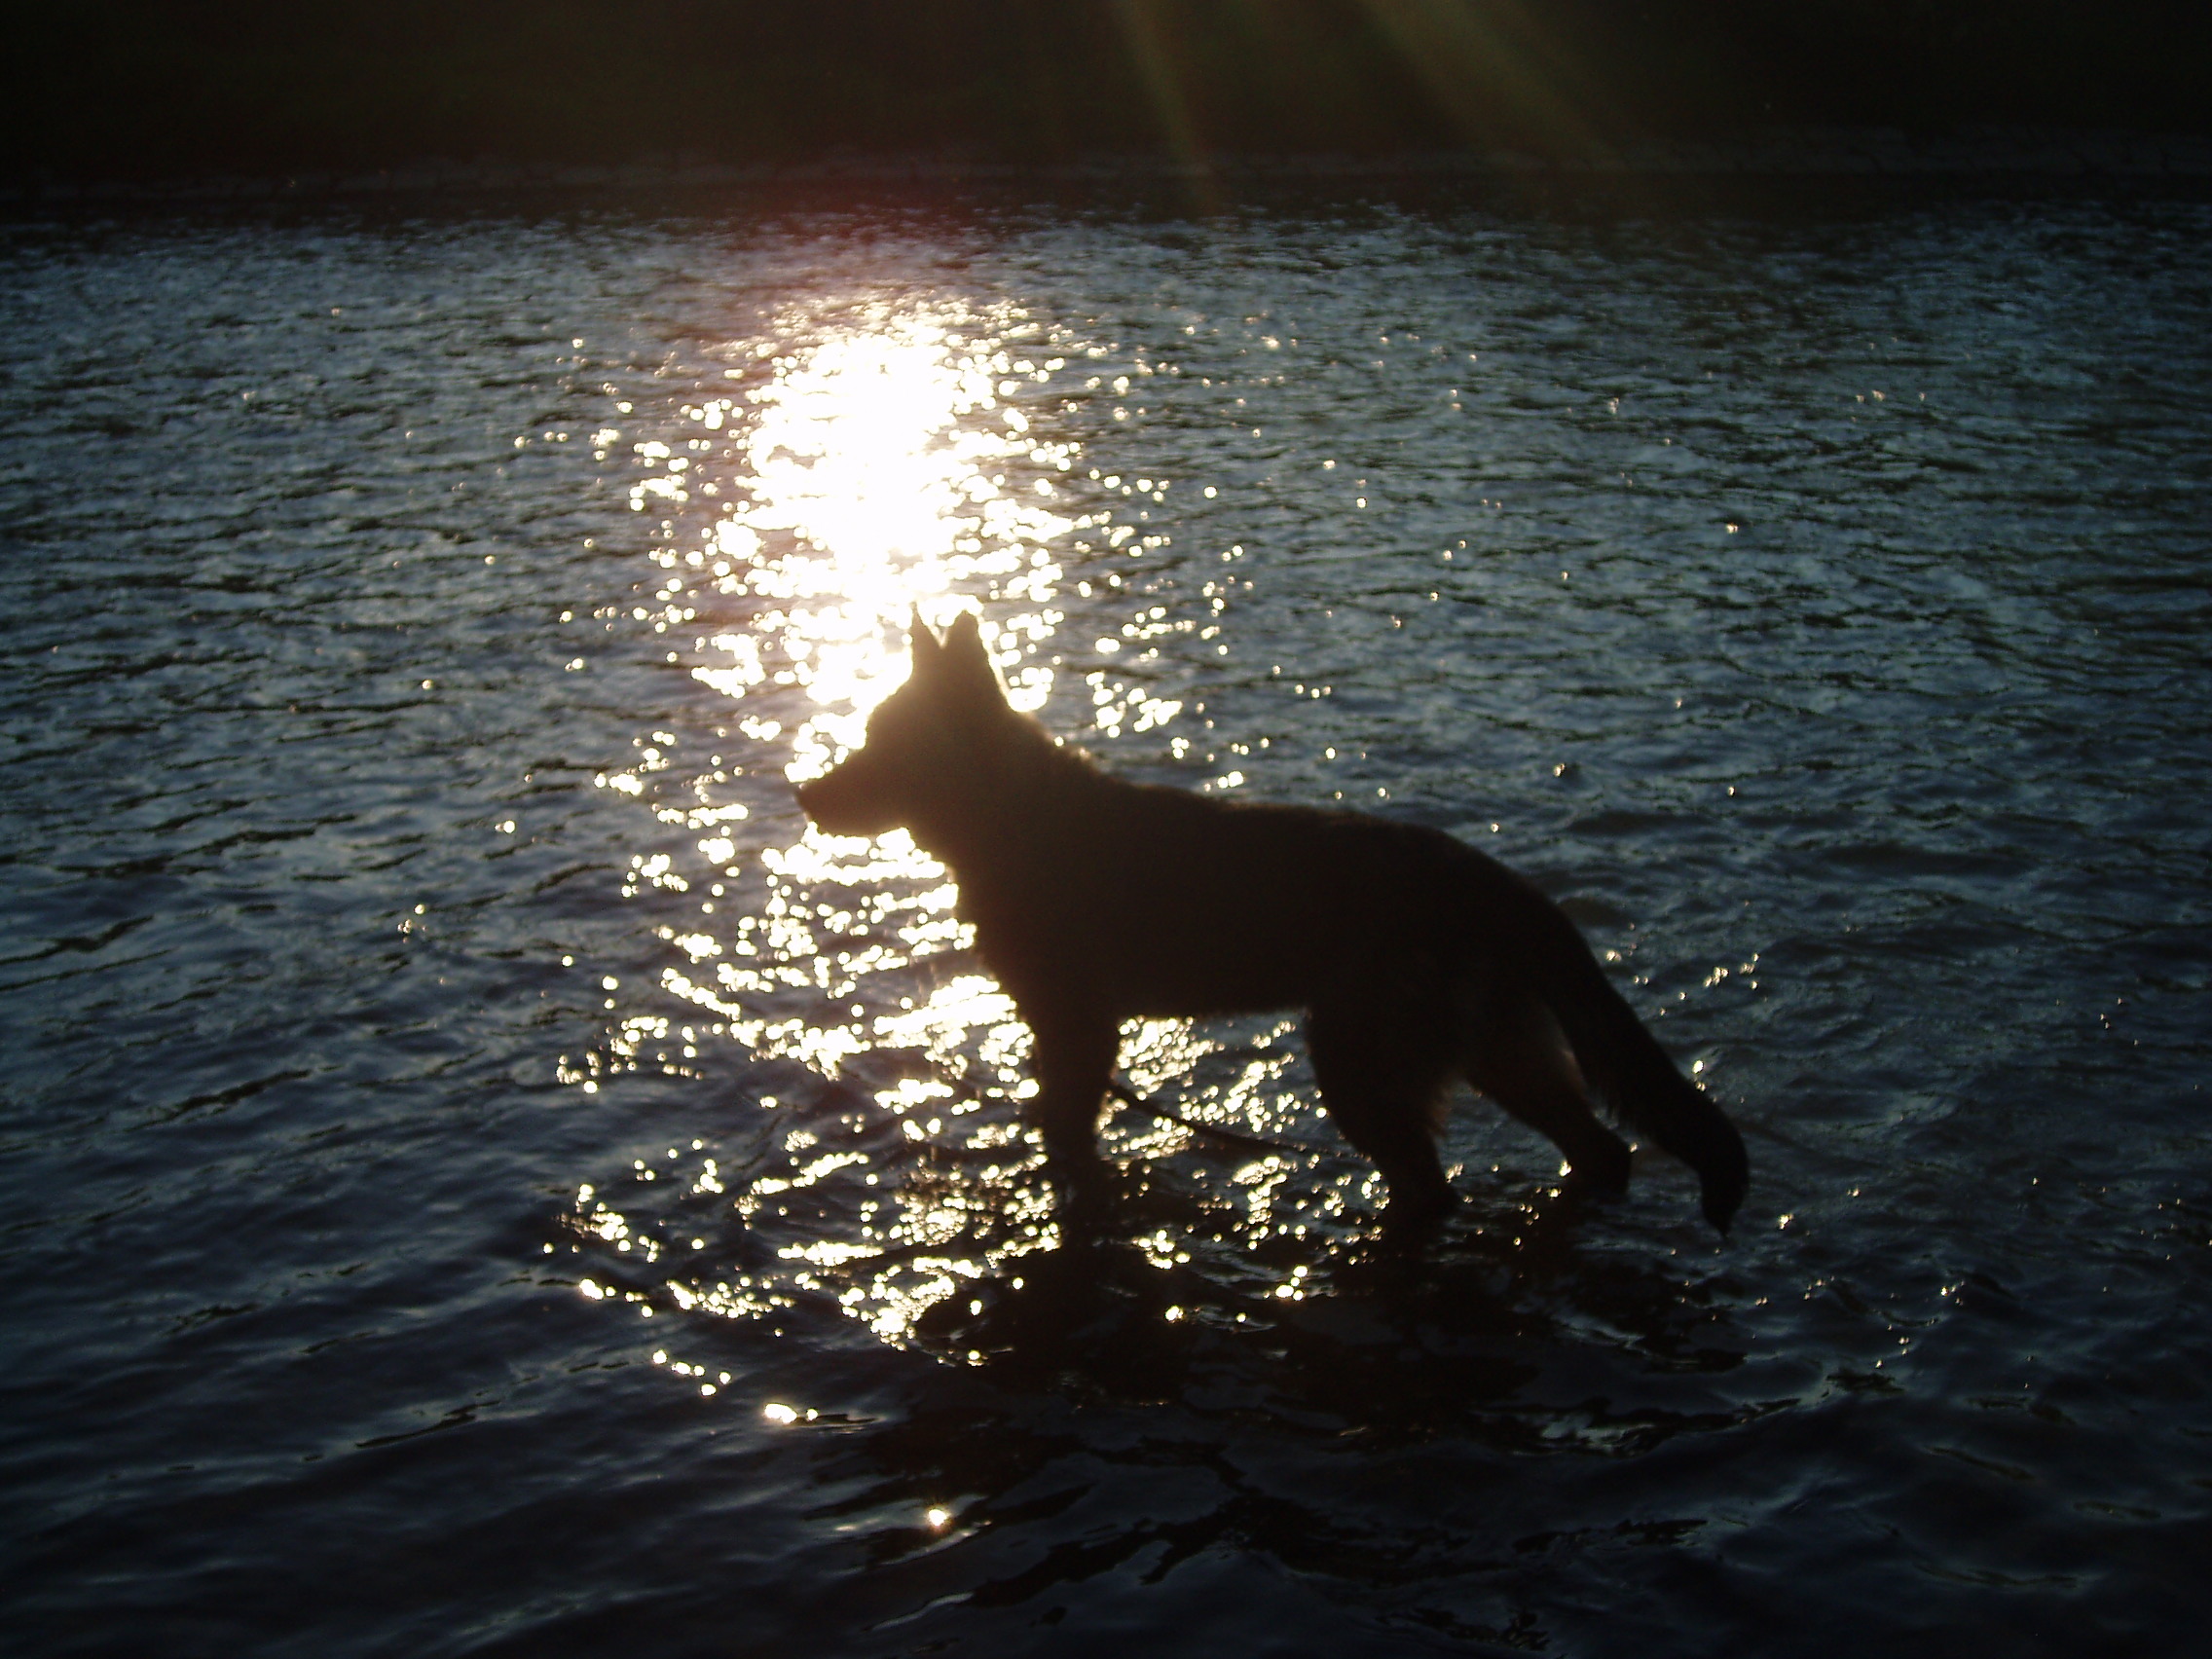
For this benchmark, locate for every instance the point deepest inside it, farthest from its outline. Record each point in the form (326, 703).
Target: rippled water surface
(481, 1176)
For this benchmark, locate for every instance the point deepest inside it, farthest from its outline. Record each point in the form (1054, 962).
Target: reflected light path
(884, 465)
(867, 459)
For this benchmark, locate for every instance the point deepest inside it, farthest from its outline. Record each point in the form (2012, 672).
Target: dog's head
(925, 741)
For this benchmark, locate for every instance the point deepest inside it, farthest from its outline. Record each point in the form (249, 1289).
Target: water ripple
(485, 1176)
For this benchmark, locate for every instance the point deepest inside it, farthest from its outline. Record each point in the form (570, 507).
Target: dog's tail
(1626, 1066)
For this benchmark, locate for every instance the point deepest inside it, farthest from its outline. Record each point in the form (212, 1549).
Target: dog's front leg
(1074, 1059)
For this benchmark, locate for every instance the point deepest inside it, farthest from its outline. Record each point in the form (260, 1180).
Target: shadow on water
(1396, 1340)
(1502, 1339)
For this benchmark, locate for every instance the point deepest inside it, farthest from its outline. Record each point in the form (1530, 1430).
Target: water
(482, 1178)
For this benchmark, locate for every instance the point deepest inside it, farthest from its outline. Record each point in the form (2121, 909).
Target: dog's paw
(1599, 1172)
(1721, 1180)
(1417, 1212)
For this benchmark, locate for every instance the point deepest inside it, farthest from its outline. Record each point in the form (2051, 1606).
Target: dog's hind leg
(1517, 1054)
(1381, 1069)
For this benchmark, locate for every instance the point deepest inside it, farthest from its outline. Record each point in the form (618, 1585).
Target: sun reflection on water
(876, 459)
(885, 463)
(883, 470)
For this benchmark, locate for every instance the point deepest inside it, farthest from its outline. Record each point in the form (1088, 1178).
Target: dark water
(481, 1178)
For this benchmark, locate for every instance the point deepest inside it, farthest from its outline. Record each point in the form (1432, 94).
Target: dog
(1416, 958)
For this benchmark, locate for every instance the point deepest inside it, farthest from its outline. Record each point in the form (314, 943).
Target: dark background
(142, 89)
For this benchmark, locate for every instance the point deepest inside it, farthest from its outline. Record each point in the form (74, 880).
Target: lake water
(482, 1178)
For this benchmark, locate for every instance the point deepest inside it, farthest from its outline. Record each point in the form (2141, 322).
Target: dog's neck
(1016, 779)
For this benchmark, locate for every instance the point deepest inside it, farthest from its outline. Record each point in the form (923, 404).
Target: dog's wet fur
(1416, 958)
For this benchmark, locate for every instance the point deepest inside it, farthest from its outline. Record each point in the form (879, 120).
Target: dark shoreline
(143, 92)
(1770, 168)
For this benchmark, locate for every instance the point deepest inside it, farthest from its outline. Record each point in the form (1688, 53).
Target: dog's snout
(857, 797)
(816, 795)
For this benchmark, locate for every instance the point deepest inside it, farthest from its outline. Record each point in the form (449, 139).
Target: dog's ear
(964, 666)
(924, 646)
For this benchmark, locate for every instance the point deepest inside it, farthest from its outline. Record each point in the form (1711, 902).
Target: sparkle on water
(881, 462)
